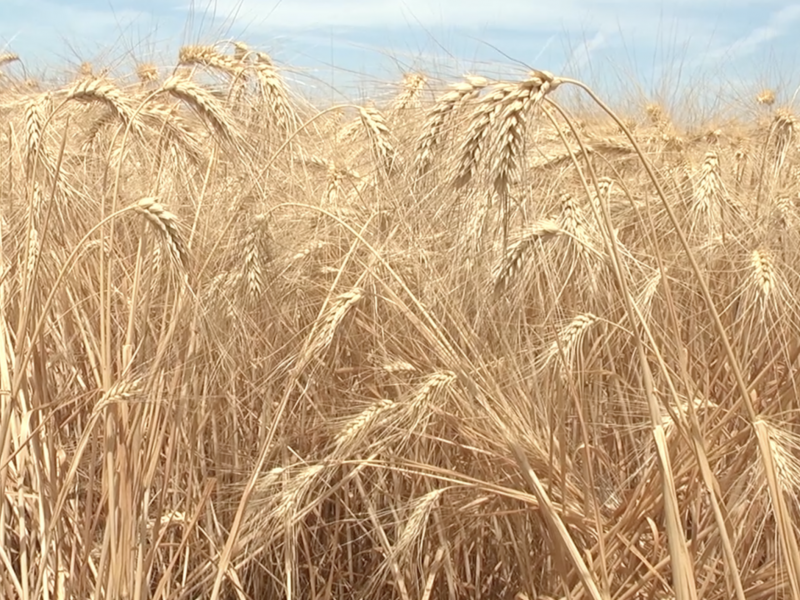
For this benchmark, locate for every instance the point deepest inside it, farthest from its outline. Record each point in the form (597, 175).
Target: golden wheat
(516, 256)
(202, 102)
(440, 113)
(8, 57)
(165, 223)
(92, 89)
(378, 131)
(409, 96)
(375, 396)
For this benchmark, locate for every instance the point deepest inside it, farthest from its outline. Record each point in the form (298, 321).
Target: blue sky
(339, 47)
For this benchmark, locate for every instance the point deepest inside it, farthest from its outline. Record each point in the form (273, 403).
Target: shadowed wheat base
(450, 345)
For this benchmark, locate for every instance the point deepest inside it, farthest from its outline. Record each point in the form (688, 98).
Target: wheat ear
(516, 255)
(442, 111)
(202, 102)
(409, 95)
(165, 223)
(105, 92)
(378, 132)
(274, 92)
(8, 57)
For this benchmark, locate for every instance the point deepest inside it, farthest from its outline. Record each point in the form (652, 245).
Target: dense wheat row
(458, 345)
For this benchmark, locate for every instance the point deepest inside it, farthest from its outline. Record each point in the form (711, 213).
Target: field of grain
(459, 344)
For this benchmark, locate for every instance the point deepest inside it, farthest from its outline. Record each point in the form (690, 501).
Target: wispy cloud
(780, 23)
(582, 55)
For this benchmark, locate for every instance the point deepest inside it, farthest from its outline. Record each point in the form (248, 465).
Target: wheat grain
(573, 223)
(478, 132)
(740, 157)
(256, 253)
(781, 133)
(784, 213)
(414, 530)
(241, 51)
(511, 124)
(708, 195)
(658, 117)
(399, 366)
(208, 56)
(644, 300)
(121, 391)
(506, 106)
(36, 113)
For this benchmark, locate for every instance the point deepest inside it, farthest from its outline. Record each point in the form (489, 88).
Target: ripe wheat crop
(452, 344)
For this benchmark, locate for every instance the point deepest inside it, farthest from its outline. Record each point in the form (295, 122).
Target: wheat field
(464, 343)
